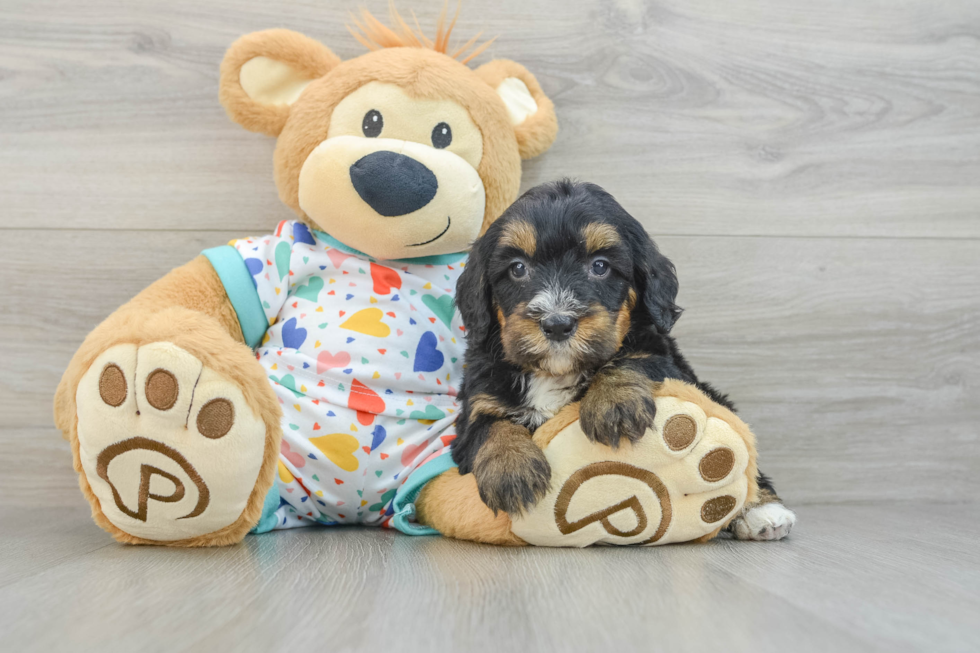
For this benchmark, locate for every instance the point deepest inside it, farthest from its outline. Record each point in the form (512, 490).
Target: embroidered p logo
(633, 503)
(147, 472)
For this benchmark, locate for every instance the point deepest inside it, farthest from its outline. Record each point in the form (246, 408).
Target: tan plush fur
(375, 35)
(547, 431)
(687, 392)
(194, 286)
(536, 134)
(311, 58)
(451, 503)
(421, 72)
(189, 308)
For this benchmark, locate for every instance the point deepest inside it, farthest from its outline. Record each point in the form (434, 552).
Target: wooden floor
(813, 169)
(852, 578)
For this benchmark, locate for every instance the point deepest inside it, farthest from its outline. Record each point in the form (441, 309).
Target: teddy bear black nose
(393, 184)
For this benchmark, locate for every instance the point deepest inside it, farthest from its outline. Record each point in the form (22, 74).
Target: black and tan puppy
(567, 298)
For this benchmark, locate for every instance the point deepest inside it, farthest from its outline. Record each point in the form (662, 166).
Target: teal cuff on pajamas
(404, 502)
(269, 519)
(240, 286)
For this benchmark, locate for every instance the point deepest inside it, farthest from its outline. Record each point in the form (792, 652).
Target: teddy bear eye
(373, 123)
(442, 135)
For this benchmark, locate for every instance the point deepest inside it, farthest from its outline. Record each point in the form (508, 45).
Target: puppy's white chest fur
(546, 395)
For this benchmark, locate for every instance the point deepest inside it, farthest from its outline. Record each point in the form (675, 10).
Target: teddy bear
(308, 377)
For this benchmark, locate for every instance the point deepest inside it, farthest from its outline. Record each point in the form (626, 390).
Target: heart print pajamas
(364, 356)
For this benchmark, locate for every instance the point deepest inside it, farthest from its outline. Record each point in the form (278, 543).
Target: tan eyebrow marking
(521, 235)
(599, 235)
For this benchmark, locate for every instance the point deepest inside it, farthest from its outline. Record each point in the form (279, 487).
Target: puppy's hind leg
(766, 519)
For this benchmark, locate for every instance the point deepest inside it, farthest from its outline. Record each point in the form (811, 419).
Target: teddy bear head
(399, 153)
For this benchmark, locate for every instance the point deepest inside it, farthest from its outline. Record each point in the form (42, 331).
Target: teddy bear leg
(451, 504)
(169, 449)
(687, 478)
(173, 425)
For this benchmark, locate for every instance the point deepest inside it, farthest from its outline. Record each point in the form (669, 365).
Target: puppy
(567, 298)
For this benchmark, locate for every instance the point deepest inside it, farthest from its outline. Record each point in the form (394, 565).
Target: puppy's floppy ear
(265, 72)
(473, 295)
(655, 281)
(531, 112)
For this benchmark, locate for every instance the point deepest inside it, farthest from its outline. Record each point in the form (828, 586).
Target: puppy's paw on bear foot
(169, 448)
(687, 477)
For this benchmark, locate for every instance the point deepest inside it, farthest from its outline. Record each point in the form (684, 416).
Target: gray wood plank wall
(813, 169)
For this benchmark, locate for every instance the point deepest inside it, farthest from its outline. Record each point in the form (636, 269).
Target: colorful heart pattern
(339, 448)
(301, 234)
(365, 401)
(364, 359)
(283, 252)
(430, 414)
(428, 358)
(384, 279)
(311, 291)
(368, 321)
(288, 382)
(327, 361)
(293, 336)
(443, 307)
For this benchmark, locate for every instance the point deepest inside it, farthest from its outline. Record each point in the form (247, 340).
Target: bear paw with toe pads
(168, 447)
(683, 480)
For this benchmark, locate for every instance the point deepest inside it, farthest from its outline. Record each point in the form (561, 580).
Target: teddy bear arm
(194, 286)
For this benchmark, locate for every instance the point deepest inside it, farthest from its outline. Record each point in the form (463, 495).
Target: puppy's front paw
(512, 473)
(618, 405)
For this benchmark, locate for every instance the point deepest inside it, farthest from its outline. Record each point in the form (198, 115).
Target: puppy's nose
(393, 184)
(559, 327)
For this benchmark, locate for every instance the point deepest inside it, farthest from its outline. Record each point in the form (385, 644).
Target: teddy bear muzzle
(392, 198)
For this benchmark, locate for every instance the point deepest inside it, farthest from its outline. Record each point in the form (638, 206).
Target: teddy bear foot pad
(687, 477)
(169, 448)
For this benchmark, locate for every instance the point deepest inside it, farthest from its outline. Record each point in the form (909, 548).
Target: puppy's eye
(442, 136)
(372, 124)
(518, 270)
(600, 267)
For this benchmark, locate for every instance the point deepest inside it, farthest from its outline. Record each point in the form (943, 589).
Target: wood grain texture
(769, 117)
(811, 168)
(838, 584)
(856, 361)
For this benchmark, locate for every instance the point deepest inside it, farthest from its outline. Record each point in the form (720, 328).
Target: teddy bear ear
(531, 112)
(263, 73)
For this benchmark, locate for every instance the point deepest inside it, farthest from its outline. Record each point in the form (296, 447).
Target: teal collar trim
(436, 259)
(404, 502)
